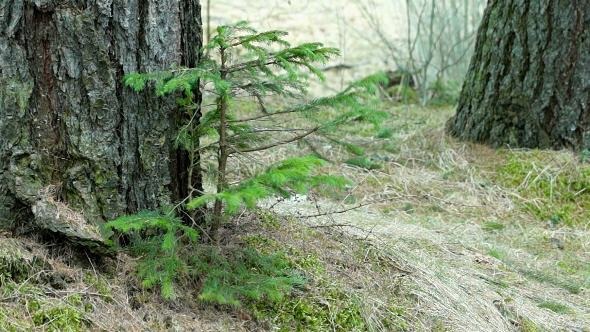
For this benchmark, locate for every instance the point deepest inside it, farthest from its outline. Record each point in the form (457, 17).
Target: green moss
(269, 219)
(571, 264)
(391, 147)
(10, 323)
(384, 133)
(59, 319)
(497, 253)
(16, 263)
(571, 285)
(553, 190)
(308, 262)
(67, 316)
(261, 243)
(331, 310)
(439, 326)
(318, 306)
(297, 258)
(501, 283)
(34, 310)
(16, 93)
(354, 149)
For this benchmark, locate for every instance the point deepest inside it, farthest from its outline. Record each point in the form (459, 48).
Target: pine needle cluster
(246, 276)
(157, 238)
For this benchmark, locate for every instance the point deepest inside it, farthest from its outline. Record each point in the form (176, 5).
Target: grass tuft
(554, 190)
(555, 307)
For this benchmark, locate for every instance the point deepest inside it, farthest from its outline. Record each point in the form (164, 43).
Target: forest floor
(493, 240)
(451, 236)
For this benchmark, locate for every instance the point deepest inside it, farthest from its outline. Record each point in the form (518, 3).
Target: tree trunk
(529, 80)
(71, 134)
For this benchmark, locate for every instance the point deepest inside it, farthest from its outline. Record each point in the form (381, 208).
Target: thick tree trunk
(70, 132)
(529, 80)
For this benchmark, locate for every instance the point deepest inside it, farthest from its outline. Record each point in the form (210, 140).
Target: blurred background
(430, 41)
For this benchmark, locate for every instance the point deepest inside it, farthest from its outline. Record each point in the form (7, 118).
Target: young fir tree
(239, 63)
(242, 62)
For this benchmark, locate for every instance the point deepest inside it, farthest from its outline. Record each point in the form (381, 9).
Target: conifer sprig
(161, 263)
(292, 176)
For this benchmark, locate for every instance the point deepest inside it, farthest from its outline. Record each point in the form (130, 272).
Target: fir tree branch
(250, 64)
(257, 131)
(272, 145)
(260, 100)
(322, 54)
(259, 37)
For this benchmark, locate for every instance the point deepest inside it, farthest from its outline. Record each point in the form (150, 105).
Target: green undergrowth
(553, 189)
(569, 274)
(277, 273)
(158, 239)
(100, 284)
(282, 287)
(16, 264)
(65, 316)
(279, 285)
(330, 309)
(319, 306)
(27, 301)
(31, 308)
(555, 307)
(170, 257)
(326, 302)
(244, 275)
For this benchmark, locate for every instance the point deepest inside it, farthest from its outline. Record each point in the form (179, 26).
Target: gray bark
(529, 80)
(67, 125)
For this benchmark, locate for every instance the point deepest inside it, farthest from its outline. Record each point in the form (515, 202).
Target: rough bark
(529, 81)
(68, 127)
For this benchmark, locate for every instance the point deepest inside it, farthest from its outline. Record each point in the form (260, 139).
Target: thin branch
(356, 207)
(272, 145)
(266, 115)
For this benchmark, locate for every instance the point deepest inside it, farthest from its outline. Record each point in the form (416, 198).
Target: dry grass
(77, 293)
(481, 260)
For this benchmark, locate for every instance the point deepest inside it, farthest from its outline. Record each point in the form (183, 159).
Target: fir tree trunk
(70, 132)
(529, 80)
